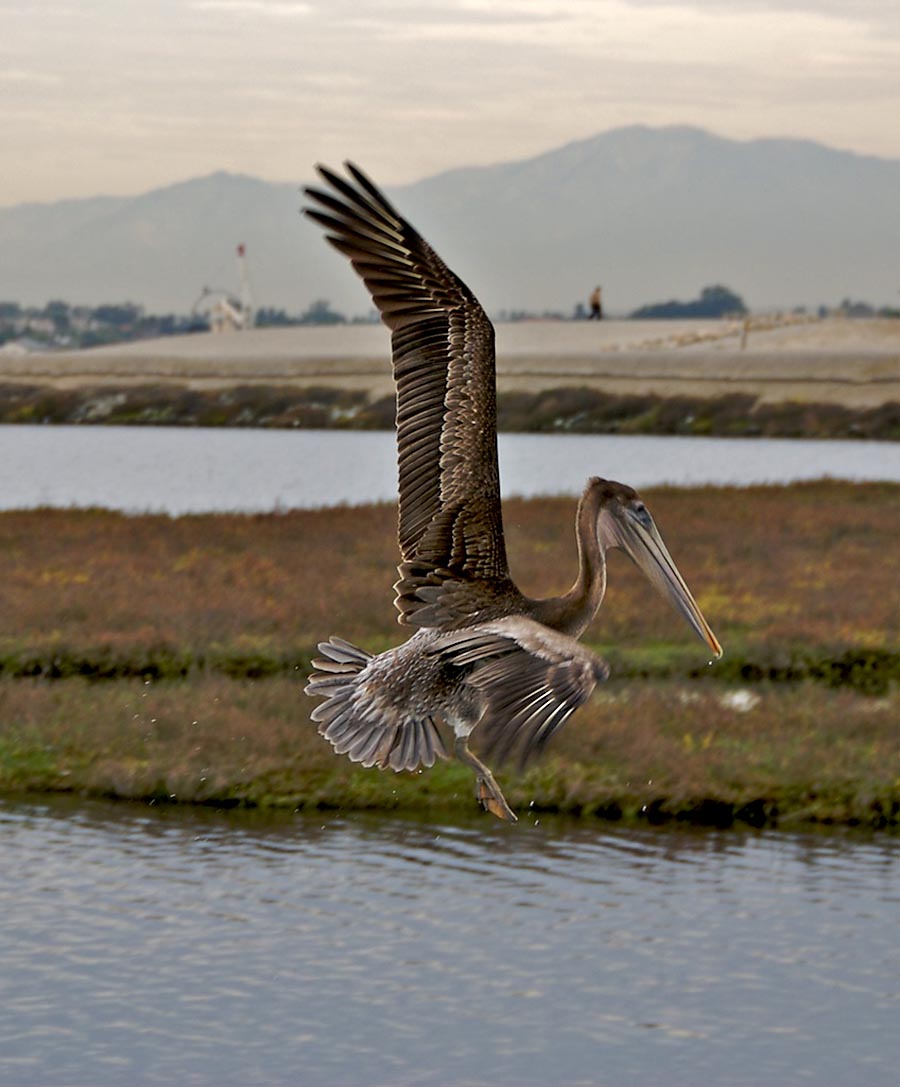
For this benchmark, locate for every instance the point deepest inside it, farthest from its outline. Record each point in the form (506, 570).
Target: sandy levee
(853, 362)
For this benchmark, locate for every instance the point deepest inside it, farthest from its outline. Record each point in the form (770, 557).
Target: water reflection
(142, 945)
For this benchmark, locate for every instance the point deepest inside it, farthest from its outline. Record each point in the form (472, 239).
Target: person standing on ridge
(596, 304)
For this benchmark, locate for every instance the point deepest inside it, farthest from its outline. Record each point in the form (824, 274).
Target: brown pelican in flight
(484, 656)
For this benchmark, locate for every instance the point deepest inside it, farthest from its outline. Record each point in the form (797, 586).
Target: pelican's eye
(641, 514)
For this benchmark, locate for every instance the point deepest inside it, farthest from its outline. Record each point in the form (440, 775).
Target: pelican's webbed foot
(486, 788)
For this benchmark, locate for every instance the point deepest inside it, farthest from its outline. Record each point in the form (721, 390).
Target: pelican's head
(624, 521)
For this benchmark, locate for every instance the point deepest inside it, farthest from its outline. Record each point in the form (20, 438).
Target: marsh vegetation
(164, 658)
(570, 409)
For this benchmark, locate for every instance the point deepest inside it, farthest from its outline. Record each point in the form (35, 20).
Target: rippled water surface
(161, 946)
(182, 470)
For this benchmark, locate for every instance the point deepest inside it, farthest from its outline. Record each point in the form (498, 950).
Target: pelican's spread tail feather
(357, 722)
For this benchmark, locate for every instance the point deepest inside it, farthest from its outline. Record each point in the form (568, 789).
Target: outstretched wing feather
(443, 358)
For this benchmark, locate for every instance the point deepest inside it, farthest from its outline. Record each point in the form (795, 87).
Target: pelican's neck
(572, 613)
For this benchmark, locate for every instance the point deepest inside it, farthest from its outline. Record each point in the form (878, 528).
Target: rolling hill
(651, 213)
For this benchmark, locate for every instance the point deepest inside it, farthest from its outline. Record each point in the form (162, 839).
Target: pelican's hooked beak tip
(711, 640)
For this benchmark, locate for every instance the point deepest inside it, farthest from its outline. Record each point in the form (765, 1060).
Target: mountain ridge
(651, 213)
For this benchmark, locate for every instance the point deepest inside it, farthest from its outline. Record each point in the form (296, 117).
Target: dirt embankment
(825, 379)
(852, 363)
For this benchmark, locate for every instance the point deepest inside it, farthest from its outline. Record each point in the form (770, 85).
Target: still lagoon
(142, 945)
(178, 470)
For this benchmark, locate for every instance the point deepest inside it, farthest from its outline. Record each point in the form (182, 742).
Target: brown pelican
(484, 655)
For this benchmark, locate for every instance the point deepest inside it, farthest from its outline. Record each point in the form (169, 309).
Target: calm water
(178, 470)
(145, 946)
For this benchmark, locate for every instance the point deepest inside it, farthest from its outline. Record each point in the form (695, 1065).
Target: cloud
(151, 92)
(274, 9)
(869, 11)
(25, 76)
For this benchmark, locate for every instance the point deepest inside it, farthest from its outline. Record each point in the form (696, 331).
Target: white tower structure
(220, 307)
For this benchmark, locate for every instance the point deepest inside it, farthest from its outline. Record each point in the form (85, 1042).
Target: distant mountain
(159, 249)
(650, 213)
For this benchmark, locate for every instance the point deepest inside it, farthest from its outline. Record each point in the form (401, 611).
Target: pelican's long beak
(642, 542)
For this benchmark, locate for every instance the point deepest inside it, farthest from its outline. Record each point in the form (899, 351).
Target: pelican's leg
(486, 788)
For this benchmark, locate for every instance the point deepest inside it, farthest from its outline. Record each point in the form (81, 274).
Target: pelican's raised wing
(443, 356)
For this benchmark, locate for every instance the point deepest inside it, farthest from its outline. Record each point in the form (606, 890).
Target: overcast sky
(119, 96)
